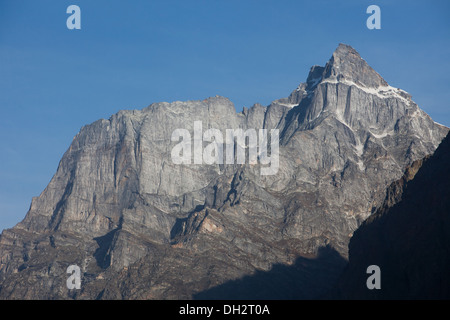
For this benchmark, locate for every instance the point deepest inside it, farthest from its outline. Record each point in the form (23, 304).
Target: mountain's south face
(141, 226)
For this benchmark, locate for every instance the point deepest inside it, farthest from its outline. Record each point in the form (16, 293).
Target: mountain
(408, 237)
(142, 224)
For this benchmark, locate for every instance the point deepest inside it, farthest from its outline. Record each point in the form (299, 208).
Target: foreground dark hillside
(408, 238)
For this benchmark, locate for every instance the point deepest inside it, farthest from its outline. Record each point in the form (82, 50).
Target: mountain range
(140, 226)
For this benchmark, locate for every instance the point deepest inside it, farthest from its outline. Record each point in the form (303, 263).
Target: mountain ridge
(118, 205)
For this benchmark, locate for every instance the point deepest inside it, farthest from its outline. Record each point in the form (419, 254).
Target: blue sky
(129, 54)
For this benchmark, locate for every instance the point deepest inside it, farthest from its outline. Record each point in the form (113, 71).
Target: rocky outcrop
(121, 209)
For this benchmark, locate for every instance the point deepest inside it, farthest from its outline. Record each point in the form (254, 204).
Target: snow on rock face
(382, 92)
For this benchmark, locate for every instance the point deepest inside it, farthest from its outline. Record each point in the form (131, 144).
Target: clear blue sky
(129, 54)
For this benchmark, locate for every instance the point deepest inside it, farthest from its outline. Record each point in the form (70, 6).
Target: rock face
(408, 237)
(140, 226)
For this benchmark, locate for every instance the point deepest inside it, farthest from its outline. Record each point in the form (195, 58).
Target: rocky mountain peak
(350, 91)
(346, 64)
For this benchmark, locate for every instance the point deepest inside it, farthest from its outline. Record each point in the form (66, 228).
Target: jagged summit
(347, 64)
(352, 92)
(345, 67)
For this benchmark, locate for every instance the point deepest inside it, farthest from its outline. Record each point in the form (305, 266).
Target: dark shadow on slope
(104, 243)
(178, 228)
(408, 240)
(298, 112)
(305, 279)
(58, 213)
